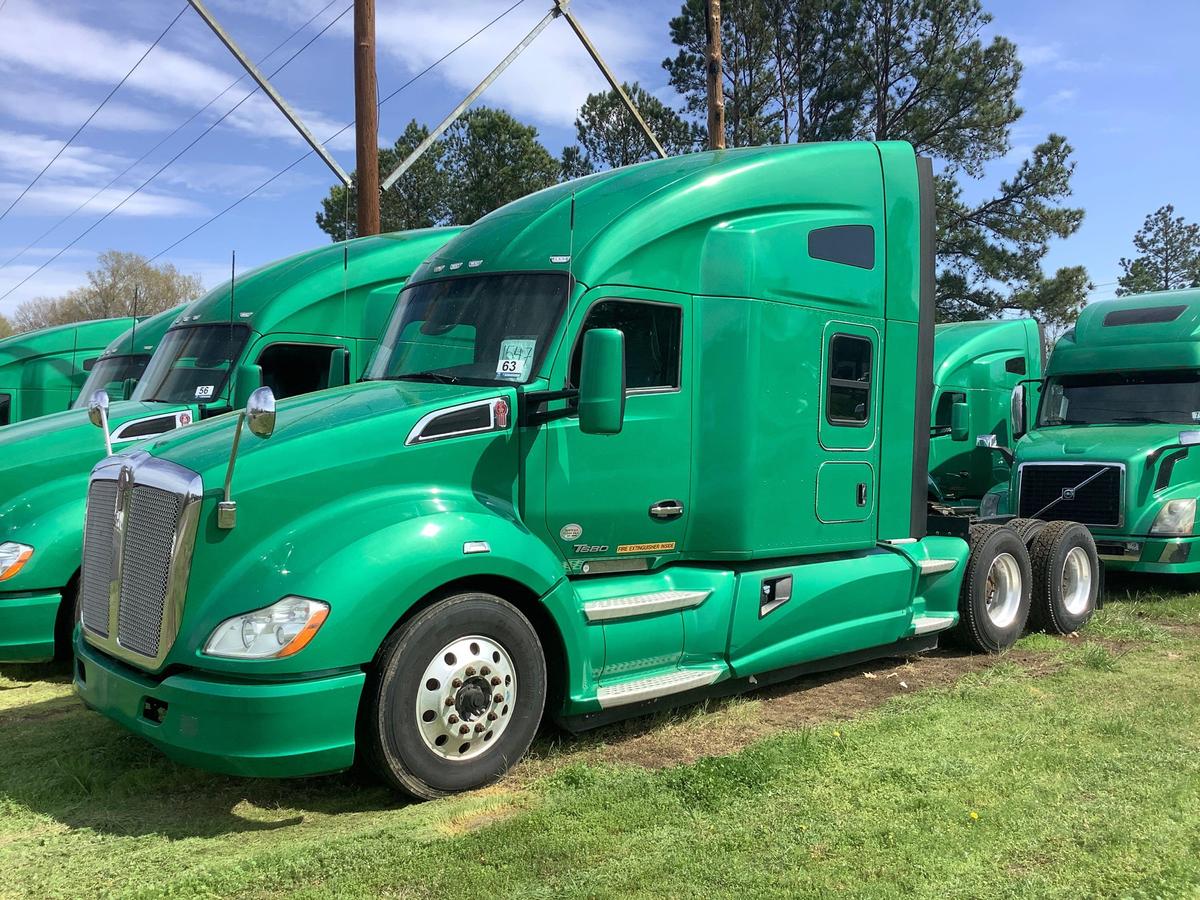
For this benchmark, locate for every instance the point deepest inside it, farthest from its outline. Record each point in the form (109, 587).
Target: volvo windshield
(110, 374)
(484, 329)
(192, 364)
(1166, 397)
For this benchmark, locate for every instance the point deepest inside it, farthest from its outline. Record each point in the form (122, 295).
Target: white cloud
(53, 281)
(26, 154)
(50, 197)
(236, 178)
(64, 111)
(1061, 98)
(1051, 56)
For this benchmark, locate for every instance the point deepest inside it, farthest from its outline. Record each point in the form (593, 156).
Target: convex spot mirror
(960, 417)
(260, 412)
(602, 382)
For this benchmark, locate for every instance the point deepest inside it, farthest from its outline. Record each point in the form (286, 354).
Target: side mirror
(602, 382)
(991, 442)
(1189, 438)
(98, 416)
(249, 380)
(1016, 412)
(337, 367)
(128, 386)
(960, 418)
(260, 412)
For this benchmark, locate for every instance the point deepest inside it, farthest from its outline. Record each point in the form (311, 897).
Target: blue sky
(1118, 81)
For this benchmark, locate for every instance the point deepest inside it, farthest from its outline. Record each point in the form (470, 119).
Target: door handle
(861, 494)
(666, 509)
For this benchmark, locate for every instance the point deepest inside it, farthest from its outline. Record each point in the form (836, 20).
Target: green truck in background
(637, 439)
(298, 325)
(41, 372)
(977, 366)
(1118, 418)
(120, 366)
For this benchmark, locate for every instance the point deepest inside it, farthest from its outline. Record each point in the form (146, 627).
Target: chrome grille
(150, 526)
(139, 537)
(97, 556)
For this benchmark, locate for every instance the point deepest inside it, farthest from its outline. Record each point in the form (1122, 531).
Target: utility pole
(366, 117)
(716, 87)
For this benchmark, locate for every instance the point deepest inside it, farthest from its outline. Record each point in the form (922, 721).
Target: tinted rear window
(1146, 315)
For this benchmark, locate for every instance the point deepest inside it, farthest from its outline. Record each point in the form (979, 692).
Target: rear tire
(993, 603)
(1026, 529)
(1066, 578)
(471, 661)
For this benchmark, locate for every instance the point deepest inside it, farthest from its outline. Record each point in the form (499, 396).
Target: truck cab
(1113, 442)
(977, 367)
(652, 435)
(41, 372)
(121, 364)
(298, 325)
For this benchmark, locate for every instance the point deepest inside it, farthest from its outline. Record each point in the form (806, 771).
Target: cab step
(934, 566)
(642, 689)
(930, 624)
(642, 604)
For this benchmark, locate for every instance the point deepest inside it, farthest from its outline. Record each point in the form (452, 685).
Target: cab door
(621, 502)
(848, 436)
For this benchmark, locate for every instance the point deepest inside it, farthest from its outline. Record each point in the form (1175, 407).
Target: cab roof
(958, 345)
(19, 349)
(1144, 331)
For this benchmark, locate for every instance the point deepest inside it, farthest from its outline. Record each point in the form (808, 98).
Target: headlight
(991, 503)
(1176, 517)
(280, 629)
(13, 557)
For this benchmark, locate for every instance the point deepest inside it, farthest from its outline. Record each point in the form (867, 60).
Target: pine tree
(1168, 255)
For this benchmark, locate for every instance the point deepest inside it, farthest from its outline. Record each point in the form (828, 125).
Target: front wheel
(457, 697)
(993, 603)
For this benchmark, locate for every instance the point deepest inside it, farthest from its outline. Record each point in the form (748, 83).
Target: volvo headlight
(280, 629)
(13, 557)
(1176, 517)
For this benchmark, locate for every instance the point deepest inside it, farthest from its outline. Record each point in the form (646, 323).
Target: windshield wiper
(1145, 419)
(441, 377)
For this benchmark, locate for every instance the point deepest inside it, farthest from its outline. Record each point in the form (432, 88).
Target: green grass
(1081, 782)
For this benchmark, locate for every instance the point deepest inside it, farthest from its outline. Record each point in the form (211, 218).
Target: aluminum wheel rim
(1003, 587)
(1077, 581)
(466, 698)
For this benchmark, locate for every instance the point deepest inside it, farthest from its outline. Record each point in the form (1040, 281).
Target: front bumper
(27, 627)
(280, 729)
(1161, 555)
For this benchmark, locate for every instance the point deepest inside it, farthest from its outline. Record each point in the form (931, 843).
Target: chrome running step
(657, 686)
(642, 604)
(934, 566)
(927, 624)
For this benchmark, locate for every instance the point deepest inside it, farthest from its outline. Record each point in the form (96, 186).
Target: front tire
(993, 603)
(1066, 578)
(457, 697)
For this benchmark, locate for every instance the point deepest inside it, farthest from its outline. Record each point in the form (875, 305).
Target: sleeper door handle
(861, 495)
(666, 509)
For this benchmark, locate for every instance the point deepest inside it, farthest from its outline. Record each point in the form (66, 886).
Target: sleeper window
(652, 341)
(848, 401)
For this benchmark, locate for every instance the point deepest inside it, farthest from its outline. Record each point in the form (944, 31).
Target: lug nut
(463, 729)
(499, 698)
(492, 717)
(449, 701)
(453, 719)
(485, 671)
(457, 682)
(479, 728)
(470, 671)
(495, 681)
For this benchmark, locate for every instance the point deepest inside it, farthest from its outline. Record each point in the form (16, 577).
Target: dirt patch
(726, 726)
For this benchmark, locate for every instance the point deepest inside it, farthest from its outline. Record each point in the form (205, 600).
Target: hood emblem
(1068, 494)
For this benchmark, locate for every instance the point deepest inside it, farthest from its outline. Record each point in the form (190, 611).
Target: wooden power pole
(716, 87)
(366, 117)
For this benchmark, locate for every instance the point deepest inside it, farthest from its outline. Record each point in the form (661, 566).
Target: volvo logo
(1068, 493)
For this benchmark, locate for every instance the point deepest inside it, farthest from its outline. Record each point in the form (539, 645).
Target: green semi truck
(42, 372)
(121, 364)
(637, 439)
(977, 366)
(297, 326)
(1118, 416)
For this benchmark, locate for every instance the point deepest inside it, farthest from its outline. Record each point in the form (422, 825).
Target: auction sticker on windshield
(204, 391)
(516, 355)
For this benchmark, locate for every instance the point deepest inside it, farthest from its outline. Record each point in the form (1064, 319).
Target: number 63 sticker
(516, 354)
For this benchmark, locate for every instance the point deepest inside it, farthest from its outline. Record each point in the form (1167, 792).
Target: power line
(168, 163)
(96, 111)
(153, 149)
(246, 196)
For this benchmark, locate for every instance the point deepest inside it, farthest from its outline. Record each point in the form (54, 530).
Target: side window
(88, 364)
(653, 332)
(849, 398)
(850, 245)
(5, 408)
(943, 415)
(1015, 365)
(293, 369)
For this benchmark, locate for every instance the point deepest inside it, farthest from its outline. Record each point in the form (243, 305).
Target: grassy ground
(1068, 768)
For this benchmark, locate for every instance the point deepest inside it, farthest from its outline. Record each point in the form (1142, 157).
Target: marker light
(279, 630)
(13, 557)
(1176, 517)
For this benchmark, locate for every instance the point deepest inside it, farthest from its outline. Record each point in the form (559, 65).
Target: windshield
(192, 364)
(110, 374)
(486, 329)
(1167, 397)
